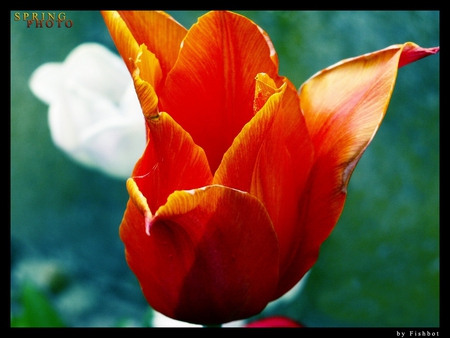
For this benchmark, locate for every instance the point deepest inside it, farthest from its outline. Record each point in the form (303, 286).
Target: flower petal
(213, 79)
(44, 82)
(159, 32)
(112, 146)
(144, 89)
(129, 49)
(347, 101)
(171, 161)
(88, 117)
(275, 321)
(412, 52)
(121, 35)
(212, 256)
(89, 69)
(271, 159)
(343, 107)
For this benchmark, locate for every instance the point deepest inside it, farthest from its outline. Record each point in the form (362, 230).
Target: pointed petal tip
(148, 224)
(141, 203)
(412, 52)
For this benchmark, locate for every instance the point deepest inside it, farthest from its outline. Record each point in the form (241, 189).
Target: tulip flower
(94, 114)
(243, 177)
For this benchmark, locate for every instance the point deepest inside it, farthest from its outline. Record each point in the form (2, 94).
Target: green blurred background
(379, 267)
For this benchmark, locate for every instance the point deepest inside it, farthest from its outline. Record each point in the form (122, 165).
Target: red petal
(210, 89)
(212, 256)
(276, 321)
(171, 161)
(271, 158)
(412, 52)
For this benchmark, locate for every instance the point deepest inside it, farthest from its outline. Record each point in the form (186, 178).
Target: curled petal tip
(140, 201)
(147, 220)
(434, 50)
(146, 93)
(412, 52)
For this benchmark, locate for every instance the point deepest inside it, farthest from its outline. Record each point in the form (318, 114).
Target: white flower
(94, 112)
(159, 320)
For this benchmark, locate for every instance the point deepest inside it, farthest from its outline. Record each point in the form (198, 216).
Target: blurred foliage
(379, 267)
(37, 309)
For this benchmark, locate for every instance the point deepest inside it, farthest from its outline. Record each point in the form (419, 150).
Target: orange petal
(171, 161)
(210, 89)
(122, 37)
(273, 52)
(212, 255)
(159, 32)
(131, 51)
(144, 89)
(346, 102)
(343, 107)
(271, 158)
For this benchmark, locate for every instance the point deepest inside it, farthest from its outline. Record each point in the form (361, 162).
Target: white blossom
(94, 113)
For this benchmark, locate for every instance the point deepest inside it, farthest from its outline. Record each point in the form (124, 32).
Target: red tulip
(275, 321)
(243, 177)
